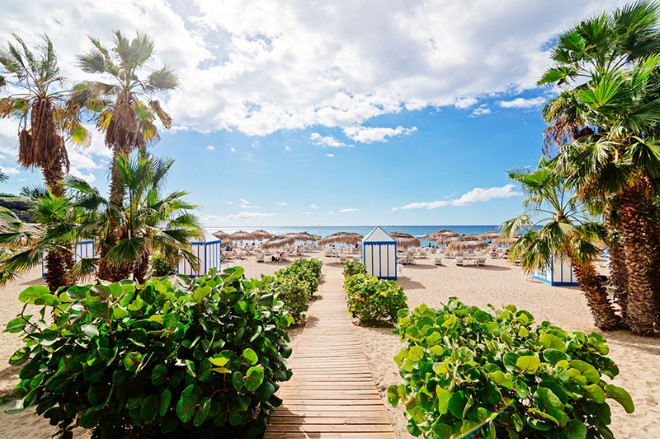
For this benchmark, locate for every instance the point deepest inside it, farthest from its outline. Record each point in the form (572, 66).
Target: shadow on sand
(409, 284)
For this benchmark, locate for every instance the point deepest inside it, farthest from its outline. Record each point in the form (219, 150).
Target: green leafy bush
(161, 266)
(351, 268)
(494, 374)
(196, 357)
(295, 294)
(374, 300)
(306, 270)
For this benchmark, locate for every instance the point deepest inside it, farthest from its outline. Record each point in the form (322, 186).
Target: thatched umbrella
(220, 235)
(504, 240)
(443, 236)
(278, 242)
(466, 245)
(260, 235)
(405, 240)
(303, 236)
(342, 237)
(241, 235)
(489, 235)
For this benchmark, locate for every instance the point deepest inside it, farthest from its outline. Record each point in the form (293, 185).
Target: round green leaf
(250, 356)
(528, 363)
(202, 412)
(31, 293)
(187, 405)
(132, 361)
(165, 399)
(149, 409)
(254, 377)
(159, 375)
(621, 396)
(575, 429)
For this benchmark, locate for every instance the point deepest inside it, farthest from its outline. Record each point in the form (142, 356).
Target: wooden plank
(317, 435)
(323, 428)
(339, 420)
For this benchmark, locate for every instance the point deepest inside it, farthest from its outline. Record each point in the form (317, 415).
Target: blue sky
(303, 113)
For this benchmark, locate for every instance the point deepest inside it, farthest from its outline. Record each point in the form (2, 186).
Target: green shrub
(294, 293)
(306, 270)
(372, 300)
(351, 268)
(468, 371)
(161, 266)
(197, 357)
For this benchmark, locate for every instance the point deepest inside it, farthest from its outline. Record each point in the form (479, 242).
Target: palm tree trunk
(107, 270)
(142, 267)
(596, 295)
(618, 280)
(642, 312)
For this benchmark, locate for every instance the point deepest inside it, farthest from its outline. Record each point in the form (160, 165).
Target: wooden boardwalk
(332, 393)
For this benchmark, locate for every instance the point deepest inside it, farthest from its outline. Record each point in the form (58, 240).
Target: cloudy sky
(327, 112)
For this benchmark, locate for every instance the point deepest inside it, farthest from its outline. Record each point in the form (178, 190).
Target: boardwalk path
(331, 393)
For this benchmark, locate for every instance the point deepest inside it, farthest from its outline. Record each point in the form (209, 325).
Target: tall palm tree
(47, 117)
(128, 118)
(564, 229)
(605, 123)
(148, 219)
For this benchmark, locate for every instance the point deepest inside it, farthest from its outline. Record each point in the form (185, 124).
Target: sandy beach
(498, 283)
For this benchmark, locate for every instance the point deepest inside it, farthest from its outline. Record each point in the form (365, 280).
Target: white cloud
(10, 170)
(281, 203)
(248, 216)
(211, 148)
(463, 103)
(324, 141)
(331, 213)
(330, 155)
(232, 149)
(523, 103)
(476, 195)
(314, 206)
(348, 209)
(480, 111)
(292, 65)
(245, 204)
(308, 213)
(369, 135)
(287, 148)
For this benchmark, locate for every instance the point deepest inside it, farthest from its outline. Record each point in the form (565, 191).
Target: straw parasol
(241, 235)
(260, 235)
(278, 241)
(303, 236)
(342, 237)
(466, 245)
(489, 235)
(443, 236)
(504, 240)
(220, 235)
(405, 240)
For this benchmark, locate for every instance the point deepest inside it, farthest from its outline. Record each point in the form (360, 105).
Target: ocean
(364, 230)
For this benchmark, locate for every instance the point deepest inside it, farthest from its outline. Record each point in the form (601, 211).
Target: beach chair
(481, 260)
(437, 260)
(410, 258)
(343, 257)
(260, 256)
(459, 260)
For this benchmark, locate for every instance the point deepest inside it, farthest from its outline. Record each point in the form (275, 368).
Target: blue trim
(388, 278)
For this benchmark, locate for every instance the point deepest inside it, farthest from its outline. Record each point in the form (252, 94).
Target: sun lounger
(459, 260)
(343, 257)
(260, 257)
(437, 260)
(481, 260)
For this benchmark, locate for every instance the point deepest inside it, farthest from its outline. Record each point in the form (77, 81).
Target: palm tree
(128, 117)
(46, 118)
(25, 246)
(605, 123)
(564, 230)
(148, 220)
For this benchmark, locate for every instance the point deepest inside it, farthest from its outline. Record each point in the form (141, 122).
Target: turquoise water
(329, 230)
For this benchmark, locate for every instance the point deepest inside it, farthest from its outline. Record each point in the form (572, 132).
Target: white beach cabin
(558, 273)
(379, 254)
(209, 254)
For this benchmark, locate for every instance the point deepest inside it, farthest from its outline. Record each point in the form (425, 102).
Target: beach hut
(559, 272)
(379, 254)
(208, 252)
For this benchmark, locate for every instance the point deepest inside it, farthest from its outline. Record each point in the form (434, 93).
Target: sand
(498, 283)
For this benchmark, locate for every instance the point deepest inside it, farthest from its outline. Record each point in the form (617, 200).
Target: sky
(308, 112)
